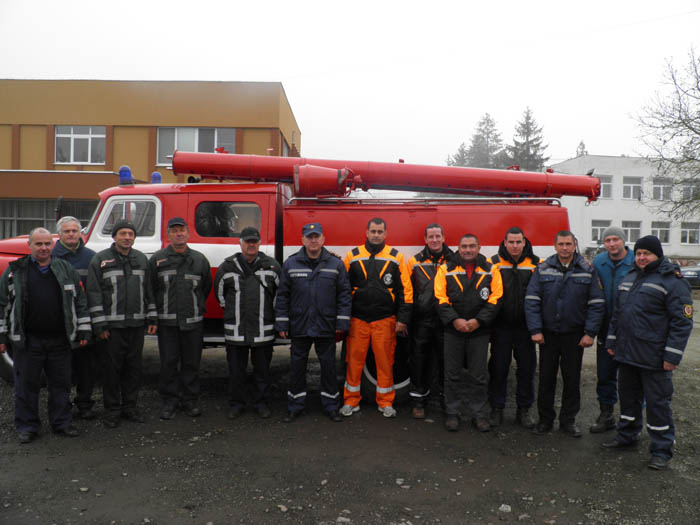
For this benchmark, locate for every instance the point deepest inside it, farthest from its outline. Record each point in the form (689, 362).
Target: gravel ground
(367, 469)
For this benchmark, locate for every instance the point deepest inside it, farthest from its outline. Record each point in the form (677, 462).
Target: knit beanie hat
(123, 223)
(650, 243)
(616, 231)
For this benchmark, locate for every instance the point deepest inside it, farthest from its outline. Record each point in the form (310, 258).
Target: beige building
(68, 138)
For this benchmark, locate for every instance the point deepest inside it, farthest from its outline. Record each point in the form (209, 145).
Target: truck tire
(7, 367)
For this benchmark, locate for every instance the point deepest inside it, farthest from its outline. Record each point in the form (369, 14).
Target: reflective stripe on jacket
(181, 284)
(654, 316)
(313, 298)
(516, 276)
(381, 285)
(462, 297)
(13, 298)
(246, 292)
(119, 290)
(423, 267)
(564, 300)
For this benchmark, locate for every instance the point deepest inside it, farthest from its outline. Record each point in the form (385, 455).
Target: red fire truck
(281, 194)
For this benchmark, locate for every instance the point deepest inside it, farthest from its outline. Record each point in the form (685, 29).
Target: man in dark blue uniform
(564, 306)
(648, 333)
(312, 307)
(71, 248)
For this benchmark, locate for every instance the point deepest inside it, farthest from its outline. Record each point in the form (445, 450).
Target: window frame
(665, 189)
(686, 231)
(606, 184)
(72, 136)
(197, 130)
(656, 228)
(597, 230)
(631, 186)
(628, 230)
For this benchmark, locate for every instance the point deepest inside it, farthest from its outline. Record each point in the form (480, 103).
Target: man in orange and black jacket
(426, 329)
(468, 290)
(381, 307)
(510, 337)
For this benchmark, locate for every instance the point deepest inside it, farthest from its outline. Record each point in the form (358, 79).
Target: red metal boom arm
(334, 176)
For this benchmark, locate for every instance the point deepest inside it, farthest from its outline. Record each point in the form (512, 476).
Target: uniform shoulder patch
(688, 310)
(394, 252)
(356, 251)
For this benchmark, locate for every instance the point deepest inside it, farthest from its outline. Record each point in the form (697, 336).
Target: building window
(631, 188)
(632, 229)
(605, 186)
(226, 219)
(203, 140)
(80, 145)
(20, 216)
(662, 190)
(597, 228)
(690, 192)
(690, 233)
(662, 230)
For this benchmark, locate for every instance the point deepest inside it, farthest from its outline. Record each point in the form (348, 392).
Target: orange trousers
(382, 335)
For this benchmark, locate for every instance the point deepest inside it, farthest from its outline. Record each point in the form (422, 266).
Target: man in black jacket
(313, 307)
(468, 290)
(509, 337)
(121, 303)
(44, 313)
(181, 280)
(71, 248)
(245, 285)
(426, 328)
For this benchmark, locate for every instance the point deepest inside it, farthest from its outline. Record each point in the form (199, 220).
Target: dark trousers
(237, 357)
(472, 350)
(121, 367)
(325, 350)
(606, 368)
(427, 356)
(50, 354)
(84, 370)
(180, 354)
(655, 387)
(508, 342)
(560, 351)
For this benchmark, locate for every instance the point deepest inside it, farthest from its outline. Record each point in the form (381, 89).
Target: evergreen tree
(460, 158)
(527, 150)
(486, 148)
(581, 150)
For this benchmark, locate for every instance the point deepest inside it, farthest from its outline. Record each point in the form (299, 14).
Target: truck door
(144, 211)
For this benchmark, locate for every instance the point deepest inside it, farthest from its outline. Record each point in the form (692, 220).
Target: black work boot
(496, 417)
(606, 420)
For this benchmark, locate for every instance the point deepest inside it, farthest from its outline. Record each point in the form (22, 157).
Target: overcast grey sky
(381, 80)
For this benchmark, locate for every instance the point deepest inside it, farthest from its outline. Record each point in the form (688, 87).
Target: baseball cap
(250, 234)
(312, 227)
(176, 221)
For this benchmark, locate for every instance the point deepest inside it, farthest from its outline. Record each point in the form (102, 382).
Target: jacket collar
(527, 252)
(60, 249)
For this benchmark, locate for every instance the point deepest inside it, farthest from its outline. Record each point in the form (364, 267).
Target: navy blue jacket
(313, 300)
(79, 259)
(653, 318)
(564, 300)
(611, 274)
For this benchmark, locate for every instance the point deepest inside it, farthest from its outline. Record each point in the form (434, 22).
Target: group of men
(452, 306)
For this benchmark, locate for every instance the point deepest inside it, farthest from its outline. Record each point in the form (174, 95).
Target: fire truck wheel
(6, 367)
